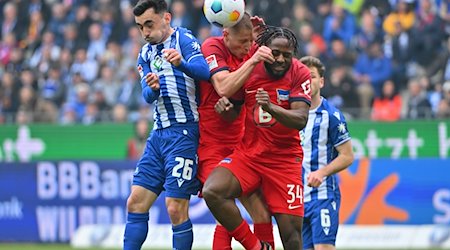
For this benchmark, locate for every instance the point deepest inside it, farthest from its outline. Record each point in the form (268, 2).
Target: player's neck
(315, 101)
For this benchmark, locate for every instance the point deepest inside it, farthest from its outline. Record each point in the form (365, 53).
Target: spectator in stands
(370, 71)
(339, 25)
(353, 6)
(58, 22)
(428, 33)
(340, 90)
(301, 16)
(443, 110)
(368, 32)
(9, 93)
(52, 88)
(399, 46)
(179, 15)
(388, 106)
(87, 68)
(7, 45)
(380, 8)
(109, 84)
(417, 104)
(10, 22)
(339, 55)
(403, 14)
(308, 36)
(440, 67)
(136, 144)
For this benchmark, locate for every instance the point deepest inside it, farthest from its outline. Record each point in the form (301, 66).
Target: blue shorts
(170, 162)
(321, 222)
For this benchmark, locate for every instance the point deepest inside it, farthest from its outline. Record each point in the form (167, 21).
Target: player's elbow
(301, 122)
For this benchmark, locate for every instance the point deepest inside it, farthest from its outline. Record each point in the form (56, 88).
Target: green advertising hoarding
(63, 142)
(406, 139)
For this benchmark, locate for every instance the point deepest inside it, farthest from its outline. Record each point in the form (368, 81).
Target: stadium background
(70, 112)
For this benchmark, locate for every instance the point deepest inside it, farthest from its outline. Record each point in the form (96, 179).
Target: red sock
(222, 239)
(244, 235)
(264, 232)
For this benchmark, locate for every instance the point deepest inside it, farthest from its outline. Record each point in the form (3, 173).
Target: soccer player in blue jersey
(327, 150)
(169, 65)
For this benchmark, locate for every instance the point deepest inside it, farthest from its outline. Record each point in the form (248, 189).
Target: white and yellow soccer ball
(224, 13)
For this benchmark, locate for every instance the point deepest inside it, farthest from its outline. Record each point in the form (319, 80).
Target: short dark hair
(311, 61)
(244, 23)
(269, 33)
(160, 6)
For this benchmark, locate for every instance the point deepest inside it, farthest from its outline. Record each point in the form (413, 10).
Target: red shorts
(280, 180)
(209, 158)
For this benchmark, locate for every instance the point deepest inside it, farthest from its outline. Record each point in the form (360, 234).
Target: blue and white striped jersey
(177, 100)
(326, 129)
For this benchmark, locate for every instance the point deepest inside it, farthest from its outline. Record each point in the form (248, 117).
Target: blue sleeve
(337, 131)
(143, 66)
(193, 63)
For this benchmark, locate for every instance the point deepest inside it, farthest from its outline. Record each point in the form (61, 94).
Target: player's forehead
(280, 43)
(148, 16)
(241, 33)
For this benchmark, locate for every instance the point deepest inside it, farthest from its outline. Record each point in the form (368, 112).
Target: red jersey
(213, 128)
(264, 135)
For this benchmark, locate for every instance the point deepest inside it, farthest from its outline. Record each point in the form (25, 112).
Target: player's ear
(322, 82)
(225, 32)
(167, 17)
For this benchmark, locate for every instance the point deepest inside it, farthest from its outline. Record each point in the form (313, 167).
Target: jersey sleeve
(338, 132)
(301, 84)
(215, 55)
(193, 63)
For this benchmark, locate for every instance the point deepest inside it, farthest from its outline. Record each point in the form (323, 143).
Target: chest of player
(278, 90)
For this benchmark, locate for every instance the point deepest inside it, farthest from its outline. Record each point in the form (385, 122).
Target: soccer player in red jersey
(269, 157)
(231, 59)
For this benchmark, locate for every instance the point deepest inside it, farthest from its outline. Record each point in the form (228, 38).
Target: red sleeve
(301, 83)
(215, 54)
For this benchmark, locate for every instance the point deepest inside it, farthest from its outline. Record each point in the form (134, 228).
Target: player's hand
(172, 56)
(315, 178)
(223, 105)
(152, 81)
(263, 53)
(263, 99)
(257, 23)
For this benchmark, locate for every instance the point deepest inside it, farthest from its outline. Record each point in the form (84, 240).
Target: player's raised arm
(192, 61)
(237, 43)
(295, 117)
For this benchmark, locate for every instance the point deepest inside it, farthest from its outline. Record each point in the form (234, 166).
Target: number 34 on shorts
(295, 193)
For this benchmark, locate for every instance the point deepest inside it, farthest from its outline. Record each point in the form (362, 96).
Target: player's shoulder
(144, 53)
(213, 41)
(185, 33)
(332, 110)
(299, 67)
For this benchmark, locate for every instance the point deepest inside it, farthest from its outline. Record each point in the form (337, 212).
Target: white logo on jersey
(212, 62)
(196, 46)
(180, 182)
(326, 230)
(341, 127)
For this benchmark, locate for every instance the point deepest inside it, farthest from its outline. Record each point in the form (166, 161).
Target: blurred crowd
(74, 61)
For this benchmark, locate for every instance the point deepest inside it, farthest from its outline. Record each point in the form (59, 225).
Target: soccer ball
(224, 13)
